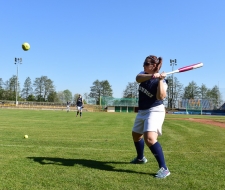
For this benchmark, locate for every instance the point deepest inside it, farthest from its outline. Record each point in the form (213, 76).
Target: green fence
(125, 102)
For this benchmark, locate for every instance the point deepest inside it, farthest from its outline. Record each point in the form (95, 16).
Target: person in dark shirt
(79, 104)
(151, 113)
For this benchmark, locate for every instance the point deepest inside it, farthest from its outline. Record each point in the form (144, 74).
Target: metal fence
(200, 104)
(191, 104)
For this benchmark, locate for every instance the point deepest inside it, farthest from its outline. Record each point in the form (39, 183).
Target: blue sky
(75, 42)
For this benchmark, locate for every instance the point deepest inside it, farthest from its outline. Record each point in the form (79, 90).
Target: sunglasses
(147, 64)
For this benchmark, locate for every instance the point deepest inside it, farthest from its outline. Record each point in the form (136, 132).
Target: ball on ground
(25, 46)
(25, 136)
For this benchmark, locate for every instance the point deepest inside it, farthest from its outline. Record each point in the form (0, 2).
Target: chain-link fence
(110, 101)
(200, 104)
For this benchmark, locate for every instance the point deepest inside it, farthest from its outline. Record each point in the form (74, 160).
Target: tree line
(42, 89)
(176, 92)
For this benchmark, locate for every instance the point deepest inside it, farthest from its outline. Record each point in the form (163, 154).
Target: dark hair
(154, 60)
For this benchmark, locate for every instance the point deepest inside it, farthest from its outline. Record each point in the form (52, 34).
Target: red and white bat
(187, 68)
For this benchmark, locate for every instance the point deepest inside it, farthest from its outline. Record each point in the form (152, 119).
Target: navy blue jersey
(79, 102)
(147, 94)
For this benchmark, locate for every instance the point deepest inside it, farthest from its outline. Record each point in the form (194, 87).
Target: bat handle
(175, 71)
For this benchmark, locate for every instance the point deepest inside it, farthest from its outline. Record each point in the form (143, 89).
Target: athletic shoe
(138, 161)
(162, 173)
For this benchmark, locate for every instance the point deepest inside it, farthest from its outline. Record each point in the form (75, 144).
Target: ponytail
(159, 65)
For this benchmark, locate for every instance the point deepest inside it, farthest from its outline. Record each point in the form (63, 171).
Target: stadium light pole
(100, 97)
(172, 63)
(17, 62)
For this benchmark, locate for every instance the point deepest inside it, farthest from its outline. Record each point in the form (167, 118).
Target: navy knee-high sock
(139, 148)
(157, 151)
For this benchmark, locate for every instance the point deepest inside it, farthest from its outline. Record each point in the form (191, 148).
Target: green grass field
(93, 152)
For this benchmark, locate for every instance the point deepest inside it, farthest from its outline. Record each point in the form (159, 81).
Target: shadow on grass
(100, 165)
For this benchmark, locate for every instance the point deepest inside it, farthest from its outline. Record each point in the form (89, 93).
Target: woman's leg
(137, 134)
(155, 147)
(139, 144)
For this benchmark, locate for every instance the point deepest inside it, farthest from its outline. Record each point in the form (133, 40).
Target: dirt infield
(208, 121)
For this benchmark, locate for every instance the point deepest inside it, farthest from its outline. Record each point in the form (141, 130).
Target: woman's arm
(161, 91)
(144, 77)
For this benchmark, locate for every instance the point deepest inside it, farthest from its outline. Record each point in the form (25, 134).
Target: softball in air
(26, 136)
(25, 46)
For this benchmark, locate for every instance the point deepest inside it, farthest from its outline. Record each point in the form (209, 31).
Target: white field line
(96, 149)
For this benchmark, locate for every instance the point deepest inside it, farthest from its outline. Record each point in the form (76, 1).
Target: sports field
(93, 152)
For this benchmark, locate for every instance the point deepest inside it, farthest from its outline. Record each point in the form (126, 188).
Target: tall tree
(1, 89)
(39, 88)
(48, 87)
(53, 97)
(106, 89)
(60, 96)
(67, 95)
(43, 86)
(27, 88)
(215, 96)
(95, 90)
(192, 91)
(131, 90)
(203, 91)
(100, 88)
(11, 87)
(1, 83)
(174, 92)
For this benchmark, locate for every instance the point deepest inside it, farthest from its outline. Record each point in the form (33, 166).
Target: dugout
(126, 109)
(126, 105)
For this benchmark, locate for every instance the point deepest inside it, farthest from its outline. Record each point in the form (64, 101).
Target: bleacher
(222, 107)
(194, 104)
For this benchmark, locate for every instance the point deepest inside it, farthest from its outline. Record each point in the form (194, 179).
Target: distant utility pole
(172, 63)
(17, 62)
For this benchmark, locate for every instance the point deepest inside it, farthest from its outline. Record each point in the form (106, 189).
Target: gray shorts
(150, 120)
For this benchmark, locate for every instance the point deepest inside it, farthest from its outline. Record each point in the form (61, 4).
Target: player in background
(151, 113)
(68, 106)
(79, 104)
